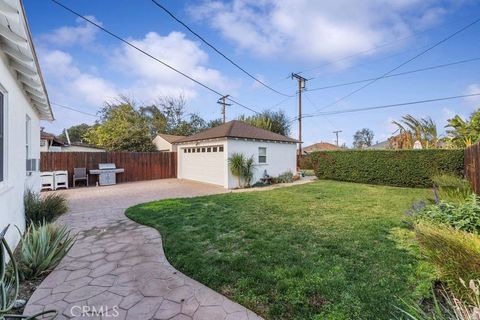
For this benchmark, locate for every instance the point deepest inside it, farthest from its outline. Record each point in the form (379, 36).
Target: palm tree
(412, 129)
(248, 170)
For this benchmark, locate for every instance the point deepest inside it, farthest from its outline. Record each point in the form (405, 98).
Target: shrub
(449, 307)
(39, 209)
(451, 187)
(454, 253)
(462, 216)
(242, 168)
(42, 247)
(285, 177)
(403, 168)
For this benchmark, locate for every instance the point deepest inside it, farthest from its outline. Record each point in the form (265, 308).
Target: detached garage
(204, 156)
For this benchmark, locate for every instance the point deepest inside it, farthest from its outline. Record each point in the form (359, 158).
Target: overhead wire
(218, 51)
(128, 43)
(394, 105)
(396, 74)
(436, 44)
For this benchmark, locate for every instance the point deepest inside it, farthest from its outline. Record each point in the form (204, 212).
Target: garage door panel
(205, 166)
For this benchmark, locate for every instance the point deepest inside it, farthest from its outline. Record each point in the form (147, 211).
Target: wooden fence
(138, 166)
(472, 166)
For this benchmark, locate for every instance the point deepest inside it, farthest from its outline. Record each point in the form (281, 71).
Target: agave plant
(42, 248)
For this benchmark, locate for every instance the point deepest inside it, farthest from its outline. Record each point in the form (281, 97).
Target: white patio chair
(60, 179)
(47, 180)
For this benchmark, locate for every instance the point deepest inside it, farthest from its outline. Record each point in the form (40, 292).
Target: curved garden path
(119, 266)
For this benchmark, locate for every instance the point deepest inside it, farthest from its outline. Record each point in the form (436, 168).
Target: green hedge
(403, 168)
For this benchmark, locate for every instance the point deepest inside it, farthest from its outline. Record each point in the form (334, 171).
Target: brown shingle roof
(236, 129)
(170, 137)
(321, 146)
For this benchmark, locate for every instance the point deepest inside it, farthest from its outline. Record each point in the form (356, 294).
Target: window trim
(260, 156)
(4, 183)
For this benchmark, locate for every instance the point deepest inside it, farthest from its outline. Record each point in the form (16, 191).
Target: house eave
(17, 45)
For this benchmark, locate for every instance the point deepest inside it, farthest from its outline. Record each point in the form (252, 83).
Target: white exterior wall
(163, 145)
(206, 167)
(16, 107)
(281, 157)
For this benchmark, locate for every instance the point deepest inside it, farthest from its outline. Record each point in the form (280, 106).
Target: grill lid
(106, 166)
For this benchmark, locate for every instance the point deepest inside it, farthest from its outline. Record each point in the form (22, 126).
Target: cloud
(315, 30)
(152, 79)
(81, 34)
(69, 83)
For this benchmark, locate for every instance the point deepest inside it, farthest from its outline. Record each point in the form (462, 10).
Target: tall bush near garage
(242, 168)
(403, 168)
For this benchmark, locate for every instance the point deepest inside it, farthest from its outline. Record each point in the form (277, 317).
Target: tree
(121, 128)
(363, 138)
(174, 111)
(412, 129)
(275, 121)
(76, 133)
(463, 132)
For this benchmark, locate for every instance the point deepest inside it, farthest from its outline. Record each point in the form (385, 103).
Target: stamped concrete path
(117, 267)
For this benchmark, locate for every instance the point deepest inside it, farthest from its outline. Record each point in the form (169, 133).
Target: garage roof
(236, 129)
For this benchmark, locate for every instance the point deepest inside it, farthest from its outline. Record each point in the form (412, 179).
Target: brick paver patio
(118, 268)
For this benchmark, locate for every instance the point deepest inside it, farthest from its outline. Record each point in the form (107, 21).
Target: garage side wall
(281, 157)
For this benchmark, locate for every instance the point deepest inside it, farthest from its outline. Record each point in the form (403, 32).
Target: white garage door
(205, 164)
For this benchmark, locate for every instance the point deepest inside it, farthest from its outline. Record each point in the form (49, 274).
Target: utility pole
(301, 86)
(223, 102)
(336, 133)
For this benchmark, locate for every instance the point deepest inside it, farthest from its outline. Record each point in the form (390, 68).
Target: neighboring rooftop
(320, 146)
(53, 139)
(170, 137)
(236, 129)
(380, 145)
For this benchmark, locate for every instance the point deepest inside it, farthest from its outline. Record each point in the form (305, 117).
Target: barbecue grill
(107, 173)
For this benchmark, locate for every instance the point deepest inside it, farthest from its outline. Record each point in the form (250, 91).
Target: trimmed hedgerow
(403, 168)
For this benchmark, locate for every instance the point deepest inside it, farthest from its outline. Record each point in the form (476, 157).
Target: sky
(330, 42)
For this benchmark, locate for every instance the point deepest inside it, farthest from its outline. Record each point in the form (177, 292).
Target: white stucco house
(204, 156)
(51, 143)
(164, 142)
(23, 103)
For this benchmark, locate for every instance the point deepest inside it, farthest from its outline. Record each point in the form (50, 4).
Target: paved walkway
(118, 268)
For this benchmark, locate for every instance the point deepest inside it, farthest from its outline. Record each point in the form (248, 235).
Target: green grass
(325, 250)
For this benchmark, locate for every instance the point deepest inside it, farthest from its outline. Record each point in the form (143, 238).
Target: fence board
(139, 166)
(472, 166)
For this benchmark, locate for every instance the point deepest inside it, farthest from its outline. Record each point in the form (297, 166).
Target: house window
(189, 150)
(220, 149)
(262, 155)
(203, 149)
(27, 137)
(209, 149)
(198, 149)
(184, 150)
(193, 150)
(2, 137)
(214, 149)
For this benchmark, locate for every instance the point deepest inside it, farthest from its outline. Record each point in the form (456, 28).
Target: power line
(76, 110)
(148, 54)
(218, 51)
(403, 63)
(396, 74)
(389, 105)
(385, 44)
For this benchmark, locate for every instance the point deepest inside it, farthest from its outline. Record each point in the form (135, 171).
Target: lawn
(325, 250)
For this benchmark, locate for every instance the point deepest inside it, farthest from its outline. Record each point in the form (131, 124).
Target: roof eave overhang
(17, 44)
